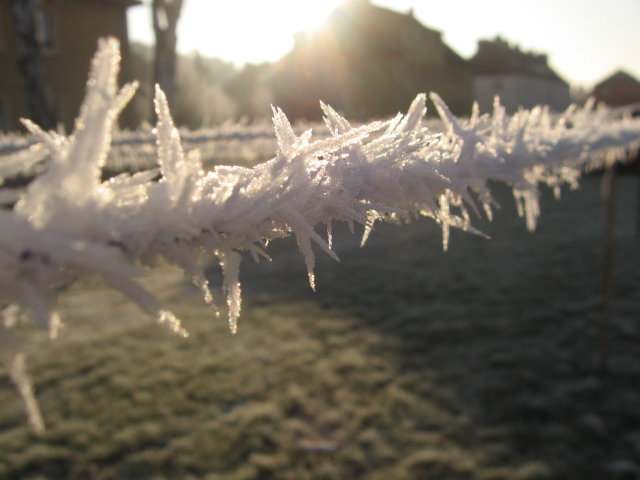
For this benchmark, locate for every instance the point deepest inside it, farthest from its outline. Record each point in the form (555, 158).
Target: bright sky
(586, 40)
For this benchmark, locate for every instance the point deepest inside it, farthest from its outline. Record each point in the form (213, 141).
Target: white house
(520, 79)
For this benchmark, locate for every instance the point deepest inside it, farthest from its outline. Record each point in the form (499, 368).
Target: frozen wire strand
(460, 149)
(421, 173)
(69, 223)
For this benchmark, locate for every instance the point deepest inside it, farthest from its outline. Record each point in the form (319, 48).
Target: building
(618, 90)
(68, 32)
(520, 79)
(368, 61)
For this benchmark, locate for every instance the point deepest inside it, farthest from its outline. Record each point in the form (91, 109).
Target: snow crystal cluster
(68, 222)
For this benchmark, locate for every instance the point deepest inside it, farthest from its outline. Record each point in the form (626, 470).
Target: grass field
(408, 363)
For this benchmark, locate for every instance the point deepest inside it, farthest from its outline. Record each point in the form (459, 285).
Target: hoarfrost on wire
(69, 223)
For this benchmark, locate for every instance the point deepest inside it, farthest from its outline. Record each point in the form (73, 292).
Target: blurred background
(408, 363)
(232, 60)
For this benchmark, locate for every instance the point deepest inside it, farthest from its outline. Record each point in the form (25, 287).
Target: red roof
(618, 90)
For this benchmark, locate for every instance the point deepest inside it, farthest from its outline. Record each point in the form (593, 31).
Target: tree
(30, 62)
(165, 15)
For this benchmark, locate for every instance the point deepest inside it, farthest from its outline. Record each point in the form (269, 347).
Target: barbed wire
(69, 221)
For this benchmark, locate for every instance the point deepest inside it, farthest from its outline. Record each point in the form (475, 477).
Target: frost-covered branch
(69, 223)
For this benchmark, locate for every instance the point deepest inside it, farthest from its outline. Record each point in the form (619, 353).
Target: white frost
(68, 222)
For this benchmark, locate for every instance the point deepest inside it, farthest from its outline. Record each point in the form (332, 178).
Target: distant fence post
(608, 193)
(637, 162)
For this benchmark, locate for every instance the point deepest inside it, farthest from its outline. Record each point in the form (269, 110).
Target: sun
(242, 31)
(258, 30)
(306, 16)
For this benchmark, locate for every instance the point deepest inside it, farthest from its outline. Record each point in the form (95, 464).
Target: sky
(586, 40)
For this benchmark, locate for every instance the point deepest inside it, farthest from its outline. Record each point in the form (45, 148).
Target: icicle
(257, 252)
(450, 121)
(51, 140)
(22, 162)
(334, 121)
(532, 209)
(230, 263)
(99, 110)
(475, 113)
(329, 234)
(14, 362)
(55, 325)
(124, 96)
(518, 197)
(284, 133)
(200, 281)
(146, 302)
(304, 244)
(300, 225)
(19, 376)
(167, 318)
(444, 218)
(368, 228)
(38, 303)
(414, 116)
(169, 147)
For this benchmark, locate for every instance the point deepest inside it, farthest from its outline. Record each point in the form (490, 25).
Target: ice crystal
(68, 222)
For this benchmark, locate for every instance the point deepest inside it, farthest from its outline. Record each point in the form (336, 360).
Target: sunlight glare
(307, 16)
(248, 31)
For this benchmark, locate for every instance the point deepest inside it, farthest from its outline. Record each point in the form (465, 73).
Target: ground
(407, 363)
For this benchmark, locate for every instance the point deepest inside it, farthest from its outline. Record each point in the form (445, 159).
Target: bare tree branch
(30, 63)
